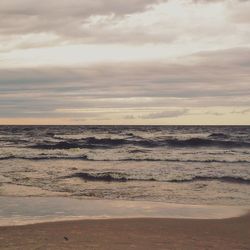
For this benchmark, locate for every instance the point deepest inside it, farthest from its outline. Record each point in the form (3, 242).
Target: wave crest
(92, 143)
(123, 177)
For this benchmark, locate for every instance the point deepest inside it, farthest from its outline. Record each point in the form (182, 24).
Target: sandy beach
(130, 234)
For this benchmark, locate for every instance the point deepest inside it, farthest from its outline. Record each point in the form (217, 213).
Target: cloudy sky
(125, 62)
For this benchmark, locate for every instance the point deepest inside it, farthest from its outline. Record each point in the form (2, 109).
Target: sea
(172, 164)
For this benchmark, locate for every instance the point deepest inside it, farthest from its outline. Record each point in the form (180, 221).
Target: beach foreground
(130, 234)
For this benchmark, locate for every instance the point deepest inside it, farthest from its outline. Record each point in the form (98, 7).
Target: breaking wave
(105, 143)
(123, 177)
(107, 177)
(229, 179)
(218, 135)
(38, 158)
(86, 158)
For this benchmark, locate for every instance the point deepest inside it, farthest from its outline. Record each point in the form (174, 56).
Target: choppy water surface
(183, 164)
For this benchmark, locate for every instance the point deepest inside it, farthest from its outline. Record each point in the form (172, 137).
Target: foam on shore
(30, 210)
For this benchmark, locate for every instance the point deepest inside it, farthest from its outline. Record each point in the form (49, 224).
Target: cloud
(142, 59)
(244, 111)
(215, 73)
(28, 16)
(240, 12)
(214, 113)
(129, 117)
(25, 24)
(218, 78)
(165, 114)
(73, 7)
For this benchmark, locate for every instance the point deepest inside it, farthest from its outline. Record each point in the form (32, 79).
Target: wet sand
(233, 233)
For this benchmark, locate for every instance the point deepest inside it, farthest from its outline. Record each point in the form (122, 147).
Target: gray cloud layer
(69, 21)
(213, 77)
(165, 114)
(217, 79)
(28, 16)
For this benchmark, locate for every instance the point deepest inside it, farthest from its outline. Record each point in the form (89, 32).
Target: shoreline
(134, 233)
(32, 210)
(67, 223)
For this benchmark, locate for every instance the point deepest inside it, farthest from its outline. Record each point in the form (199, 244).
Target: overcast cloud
(143, 61)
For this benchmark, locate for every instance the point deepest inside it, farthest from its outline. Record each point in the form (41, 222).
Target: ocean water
(173, 164)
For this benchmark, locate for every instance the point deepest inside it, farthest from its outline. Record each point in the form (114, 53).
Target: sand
(121, 234)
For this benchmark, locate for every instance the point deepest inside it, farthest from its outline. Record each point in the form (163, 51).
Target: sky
(119, 62)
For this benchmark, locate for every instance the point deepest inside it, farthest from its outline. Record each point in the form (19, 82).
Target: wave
(106, 177)
(90, 143)
(218, 135)
(38, 158)
(105, 143)
(229, 179)
(180, 160)
(200, 142)
(86, 158)
(123, 177)
(59, 145)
